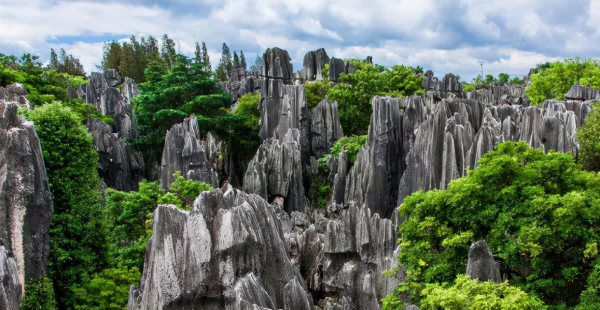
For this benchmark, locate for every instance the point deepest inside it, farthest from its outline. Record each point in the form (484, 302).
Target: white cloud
(512, 35)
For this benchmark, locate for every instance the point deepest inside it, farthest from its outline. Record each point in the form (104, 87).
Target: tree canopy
(553, 80)
(537, 212)
(355, 92)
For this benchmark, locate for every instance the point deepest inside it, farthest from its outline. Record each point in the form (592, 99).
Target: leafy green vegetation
(471, 294)
(170, 95)
(537, 213)
(355, 92)
(39, 295)
(555, 79)
(320, 190)
(589, 140)
(77, 232)
(315, 92)
(108, 289)
(351, 145)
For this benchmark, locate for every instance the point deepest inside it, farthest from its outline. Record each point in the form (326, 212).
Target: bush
(107, 290)
(355, 92)
(39, 295)
(472, 294)
(589, 140)
(555, 80)
(537, 213)
(315, 92)
(351, 145)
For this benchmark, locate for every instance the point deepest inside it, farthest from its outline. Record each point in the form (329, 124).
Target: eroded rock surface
(228, 252)
(186, 152)
(314, 62)
(481, 264)
(25, 203)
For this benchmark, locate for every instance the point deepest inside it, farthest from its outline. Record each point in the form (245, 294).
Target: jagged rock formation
(120, 166)
(15, 92)
(462, 130)
(481, 264)
(186, 152)
(228, 252)
(325, 128)
(448, 86)
(582, 93)
(314, 62)
(276, 171)
(373, 180)
(25, 203)
(337, 67)
(245, 85)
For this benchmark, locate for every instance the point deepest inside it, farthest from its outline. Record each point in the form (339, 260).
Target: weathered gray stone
(25, 204)
(186, 152)
(583, 93)
(374, 178)
(277, 65)
(314, 62)
(228, 251)
(336, 67)
(120, 165)
(325, 128)
(481, 264)
(11, 290)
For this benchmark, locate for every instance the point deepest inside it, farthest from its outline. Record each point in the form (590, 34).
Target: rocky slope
(25, 201)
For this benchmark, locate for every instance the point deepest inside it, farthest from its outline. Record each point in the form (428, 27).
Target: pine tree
(53, 59)
(256, 67)
(198, 53)
(206, 59)
(220, 72)
(111, 59)
(243, 61)
(236, 61)
(226, 60)
(168, 51)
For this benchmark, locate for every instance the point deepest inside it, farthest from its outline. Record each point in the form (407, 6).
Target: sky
(508, 36)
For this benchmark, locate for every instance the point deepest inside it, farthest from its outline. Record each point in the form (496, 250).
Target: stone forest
(160, 183)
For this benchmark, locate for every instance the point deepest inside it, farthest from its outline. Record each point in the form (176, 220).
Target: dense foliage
(351, 146)
(43, 85)
(243, 139)
(320, 191)
(39, 295)
(315, 92)
(538, 214)
(471, 294)
(554, 80)
(170, 95)
(589, 140)
(107, 290)
(77, 232)
(355, 92)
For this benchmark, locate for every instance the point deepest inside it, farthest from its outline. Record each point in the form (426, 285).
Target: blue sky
(509, 36)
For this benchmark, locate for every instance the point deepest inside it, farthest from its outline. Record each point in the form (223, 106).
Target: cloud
(510, 36)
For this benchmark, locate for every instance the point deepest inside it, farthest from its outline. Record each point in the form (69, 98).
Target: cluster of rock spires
(335, 259)
(25, 201)
(121, 166)
(263, 247)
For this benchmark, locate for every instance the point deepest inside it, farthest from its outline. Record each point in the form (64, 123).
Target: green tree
(69, 64)
(111, 58)
(555, 81)
(256, 66)
(315, 92)
(489, 79)
(503, 77)
(243, 63)
(77, 232)
(236, 61)
(471, 294)
(537, 212)
(107, 290)
(168, 54)
(171, 95)
(589, 140)
(198, 57)
(186, 190)
(205, 58)
(351, 145)
(355, 92)
(39, 295)
(227, 60)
